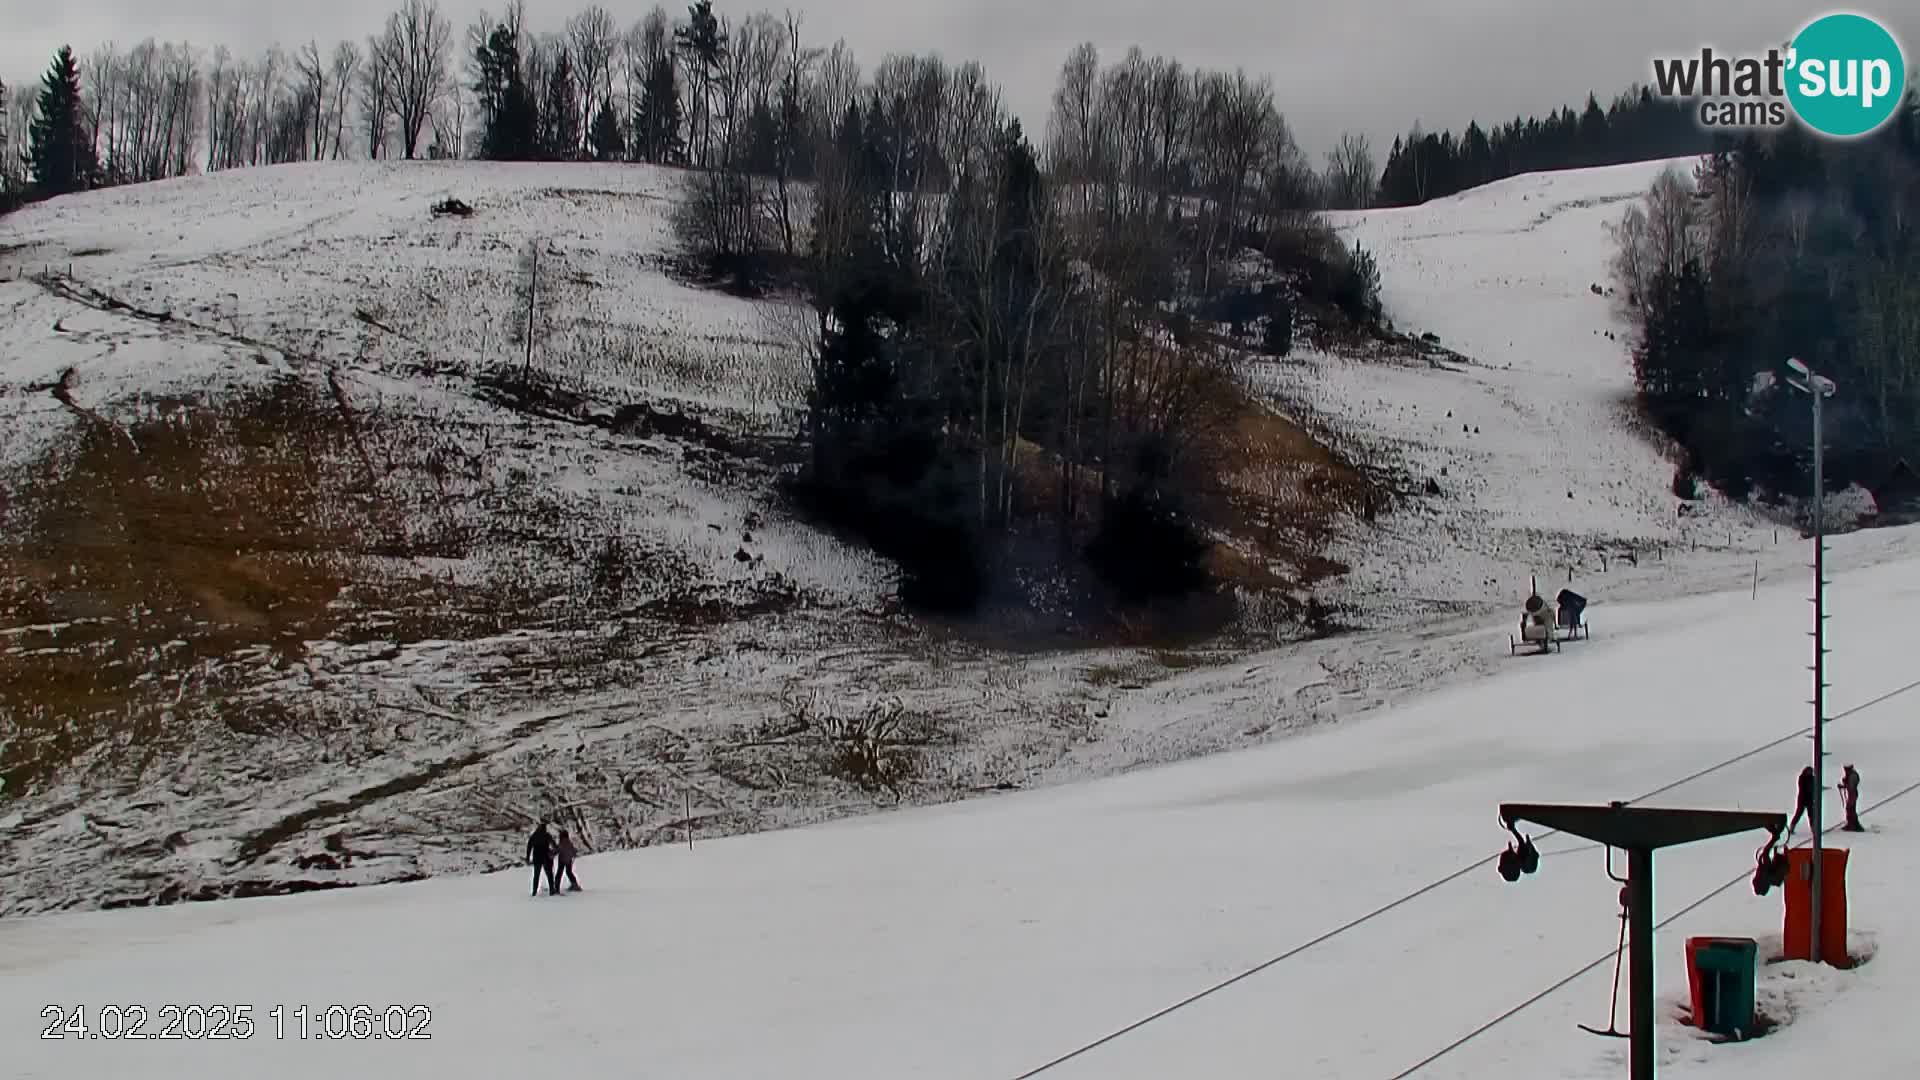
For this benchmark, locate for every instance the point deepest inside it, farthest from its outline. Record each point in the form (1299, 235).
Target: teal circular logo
(1845, 75)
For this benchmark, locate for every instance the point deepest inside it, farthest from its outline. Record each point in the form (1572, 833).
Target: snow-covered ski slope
(983, 939)
(1532, 443)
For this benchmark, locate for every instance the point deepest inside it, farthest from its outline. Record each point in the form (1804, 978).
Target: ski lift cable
(1436, 884)
(1563, 983)
(1289, 954)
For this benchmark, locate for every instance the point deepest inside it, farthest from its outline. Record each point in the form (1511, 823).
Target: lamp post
(1819, 388)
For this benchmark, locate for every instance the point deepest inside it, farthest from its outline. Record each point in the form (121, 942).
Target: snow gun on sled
(1543, 627)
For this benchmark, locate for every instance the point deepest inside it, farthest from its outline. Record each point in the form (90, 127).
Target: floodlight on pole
(1819, 388)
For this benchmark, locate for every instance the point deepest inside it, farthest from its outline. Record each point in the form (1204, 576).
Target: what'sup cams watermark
(1843, 75)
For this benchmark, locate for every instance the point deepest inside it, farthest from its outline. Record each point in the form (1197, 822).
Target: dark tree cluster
(1637, 127)
(158, 111)
(941, 360)
(1782, 246)
(701, 90)
(510, 112)
(1009, 368)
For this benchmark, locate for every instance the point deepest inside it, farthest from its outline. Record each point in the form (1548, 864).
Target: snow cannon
(1536, 627)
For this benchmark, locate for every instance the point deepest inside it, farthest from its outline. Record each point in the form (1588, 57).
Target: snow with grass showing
(985, 939)
(259, 274)
(412, 724)
(1526, 427)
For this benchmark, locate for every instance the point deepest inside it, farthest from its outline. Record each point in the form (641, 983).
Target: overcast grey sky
(1374, 66)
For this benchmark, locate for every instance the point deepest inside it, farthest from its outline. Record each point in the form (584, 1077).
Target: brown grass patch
(159, 569)
(1282, 497)
(1271, 493)
(1274, 491)
(1109, 675)
(136, 556)
(1183, 661)
(154, 569)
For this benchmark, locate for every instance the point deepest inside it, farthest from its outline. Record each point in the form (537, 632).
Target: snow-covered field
(482, 668)
(986, 939)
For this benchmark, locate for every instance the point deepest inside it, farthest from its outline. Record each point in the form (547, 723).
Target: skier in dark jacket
(540, 854)
(564, 848)
(1808, 800)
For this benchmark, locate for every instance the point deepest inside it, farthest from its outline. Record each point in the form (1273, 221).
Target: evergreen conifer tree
(656, 120)
(510, 132)
(609, 142)
(60, 153)
(560, 127)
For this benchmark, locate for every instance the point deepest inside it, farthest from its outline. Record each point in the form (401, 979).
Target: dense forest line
(1782, 246)
(1637, 126)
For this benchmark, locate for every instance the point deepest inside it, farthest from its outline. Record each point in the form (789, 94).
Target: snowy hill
(986, 939)
(296, 549)
(315, 600)
(1538, 460)
(209, 287)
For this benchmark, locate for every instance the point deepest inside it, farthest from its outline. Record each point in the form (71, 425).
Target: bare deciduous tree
(1238, 128)
(837, 88)
(1657, 235)
(1351, 173)
(376, 101)
(13, 178)
(345, 66)
(592, 42)
(412, 55)
(1073, 143)
(144, 110)
(263, 93)
(314, 75)
(790, 118)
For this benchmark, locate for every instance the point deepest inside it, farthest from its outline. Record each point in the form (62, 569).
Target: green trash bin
(1727, 970)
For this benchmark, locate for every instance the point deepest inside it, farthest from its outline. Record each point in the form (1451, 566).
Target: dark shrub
(1147, 550)
(1279, 337)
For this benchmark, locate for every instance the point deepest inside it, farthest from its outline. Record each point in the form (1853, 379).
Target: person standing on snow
(540, 854)
(1850, 799)
(564, 848)
(1809, 797)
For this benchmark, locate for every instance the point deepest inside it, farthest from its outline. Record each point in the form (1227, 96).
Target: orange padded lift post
(1833, 906)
